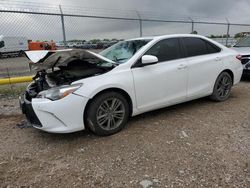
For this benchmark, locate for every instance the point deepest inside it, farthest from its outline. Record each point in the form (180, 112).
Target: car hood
(46, 59)
(242, 50)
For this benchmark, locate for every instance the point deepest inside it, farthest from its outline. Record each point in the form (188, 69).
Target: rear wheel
(222, 87)
(107, 113)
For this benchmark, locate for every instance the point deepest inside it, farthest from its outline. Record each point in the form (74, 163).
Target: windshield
(245, 42)
(123, 51)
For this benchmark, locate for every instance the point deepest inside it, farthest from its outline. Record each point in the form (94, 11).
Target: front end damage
(49, 102)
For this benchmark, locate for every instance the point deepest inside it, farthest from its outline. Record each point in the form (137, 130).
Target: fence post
(192, 27)
(228, 29)
(140, 22)
(63, 27)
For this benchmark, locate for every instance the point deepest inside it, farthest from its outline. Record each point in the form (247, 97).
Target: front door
(165, 82)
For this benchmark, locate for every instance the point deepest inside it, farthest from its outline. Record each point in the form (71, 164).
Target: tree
(238, 35)
(194, 32)
(226, 36)
(94, 41)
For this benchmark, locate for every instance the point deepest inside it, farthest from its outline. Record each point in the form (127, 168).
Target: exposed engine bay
(57, 68)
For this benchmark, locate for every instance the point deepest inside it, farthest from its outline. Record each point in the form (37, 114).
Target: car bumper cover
(61, 116)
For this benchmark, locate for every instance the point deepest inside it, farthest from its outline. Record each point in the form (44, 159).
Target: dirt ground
(196, 144)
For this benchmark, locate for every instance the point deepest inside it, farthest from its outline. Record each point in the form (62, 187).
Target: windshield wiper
(117, 60)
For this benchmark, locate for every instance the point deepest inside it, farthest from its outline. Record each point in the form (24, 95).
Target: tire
(21, 53)
(222, 87)
(107, 113)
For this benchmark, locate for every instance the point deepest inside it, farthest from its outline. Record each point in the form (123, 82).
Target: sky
(37, 27)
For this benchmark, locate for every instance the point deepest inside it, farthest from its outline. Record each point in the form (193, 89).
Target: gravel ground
(195, 144)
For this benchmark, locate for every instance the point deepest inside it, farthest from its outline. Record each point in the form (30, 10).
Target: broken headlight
(58, 92)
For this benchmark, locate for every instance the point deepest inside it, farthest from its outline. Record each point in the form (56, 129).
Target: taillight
(239, 57)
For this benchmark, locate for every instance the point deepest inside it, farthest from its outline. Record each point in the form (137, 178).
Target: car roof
(166, 36)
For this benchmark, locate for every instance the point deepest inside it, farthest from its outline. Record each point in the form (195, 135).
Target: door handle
(217, 59)
(182, 66)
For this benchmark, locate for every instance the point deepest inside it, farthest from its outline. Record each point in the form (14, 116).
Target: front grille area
(27, 109)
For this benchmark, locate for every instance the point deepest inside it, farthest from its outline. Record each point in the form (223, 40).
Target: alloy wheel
(110, 113)
(224, 86)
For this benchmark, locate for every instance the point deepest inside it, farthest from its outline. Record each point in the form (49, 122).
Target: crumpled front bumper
(27, 109)
(61, 116)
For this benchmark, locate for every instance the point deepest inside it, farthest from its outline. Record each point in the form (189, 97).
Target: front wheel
(222, 87)
(107, 113)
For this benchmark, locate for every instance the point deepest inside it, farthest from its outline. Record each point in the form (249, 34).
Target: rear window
(197, 46)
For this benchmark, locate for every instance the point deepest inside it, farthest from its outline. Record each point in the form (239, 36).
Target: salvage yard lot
(188, 145)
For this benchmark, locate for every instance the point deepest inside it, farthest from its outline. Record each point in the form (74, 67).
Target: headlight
(58, 92)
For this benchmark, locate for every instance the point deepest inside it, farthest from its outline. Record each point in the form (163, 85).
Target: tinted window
(167, 49)
(197, 46)
(211, 48)
(1, 44)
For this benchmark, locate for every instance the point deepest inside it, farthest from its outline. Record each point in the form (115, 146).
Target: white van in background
(12, 45)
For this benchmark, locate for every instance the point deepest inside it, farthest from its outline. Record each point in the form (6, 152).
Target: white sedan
(75, 89)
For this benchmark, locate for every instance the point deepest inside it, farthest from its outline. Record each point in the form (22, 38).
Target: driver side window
(165, 50)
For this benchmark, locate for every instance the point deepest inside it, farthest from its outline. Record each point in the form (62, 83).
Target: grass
(13, 90)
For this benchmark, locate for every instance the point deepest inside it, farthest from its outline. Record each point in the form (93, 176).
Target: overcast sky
(49, 27)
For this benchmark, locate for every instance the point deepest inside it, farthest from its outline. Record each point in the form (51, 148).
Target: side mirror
(149, 59)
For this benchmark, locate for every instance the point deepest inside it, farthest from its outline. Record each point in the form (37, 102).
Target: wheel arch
(113, 89)
(230, 72)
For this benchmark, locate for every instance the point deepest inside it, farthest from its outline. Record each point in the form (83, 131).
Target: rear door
(204, 65)
(162, 83)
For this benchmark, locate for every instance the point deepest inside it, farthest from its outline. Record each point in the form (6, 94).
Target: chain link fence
(95, 29)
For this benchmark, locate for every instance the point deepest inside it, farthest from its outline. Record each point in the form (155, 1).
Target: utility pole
(192, 27)
(63, 27)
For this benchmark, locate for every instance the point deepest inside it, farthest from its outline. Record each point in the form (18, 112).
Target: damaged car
(77, 89)
(243, 47)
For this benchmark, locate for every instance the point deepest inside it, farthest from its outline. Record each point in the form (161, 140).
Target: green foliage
(238, 35)
(94, 41)
(13, 90)
(75, 40)
(194, 32)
